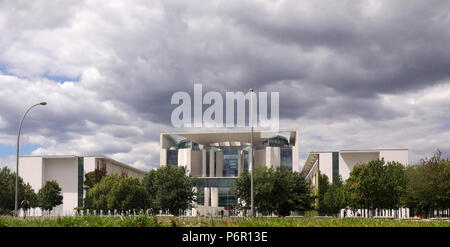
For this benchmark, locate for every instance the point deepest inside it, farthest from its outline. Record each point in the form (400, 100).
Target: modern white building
(69, 171)
(217, 158)
(341, 163)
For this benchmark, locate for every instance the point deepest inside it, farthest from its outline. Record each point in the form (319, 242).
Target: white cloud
(367, 75)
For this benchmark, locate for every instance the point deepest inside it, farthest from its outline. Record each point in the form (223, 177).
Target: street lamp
(252, 202)
(17, 155)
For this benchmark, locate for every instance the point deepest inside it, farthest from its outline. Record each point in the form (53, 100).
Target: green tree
(170, 188)
(97, 196)
(49, 196)
(334, 198)
(300, 197)
(393, 184)
(324, 185)
(94, 177)
(428, 186)
(241, 190)
(7, 191)
(376, 185)
(276, 191)
(128, 194)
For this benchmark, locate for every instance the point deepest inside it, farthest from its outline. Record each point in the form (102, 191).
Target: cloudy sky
(351, 74)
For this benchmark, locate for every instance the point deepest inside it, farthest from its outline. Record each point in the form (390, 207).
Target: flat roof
(312, 156)
(241, 136)
(360, 150)
(63, 156)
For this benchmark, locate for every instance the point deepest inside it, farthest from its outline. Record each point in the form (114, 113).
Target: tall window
(172, 157)
(286, 158)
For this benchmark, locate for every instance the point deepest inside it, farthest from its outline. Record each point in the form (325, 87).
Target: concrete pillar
(219, 164)
(214, 197)
(207, 196)
(184, 158)
(163, 157)
(273, 158)
(204, 163)
(240, 162)
(211, 163)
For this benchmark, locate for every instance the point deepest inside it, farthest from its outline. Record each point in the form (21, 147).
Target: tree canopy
(170, 188)
(128, 194)
(428, 185)
(276, 191)
(376, 185)
(7, 191)
(49, 196)
(93, 177)
(115, 192)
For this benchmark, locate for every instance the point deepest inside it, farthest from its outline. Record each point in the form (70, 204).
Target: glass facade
(200, 195)
(222, 185)
(80, 180)
(277, 141)
(335, 166)
(207, 163)
(188, 144)
(172, 157)
(286, 158)
(230, 159)
(226, 198)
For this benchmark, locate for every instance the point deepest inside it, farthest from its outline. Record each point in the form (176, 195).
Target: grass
(153, 221)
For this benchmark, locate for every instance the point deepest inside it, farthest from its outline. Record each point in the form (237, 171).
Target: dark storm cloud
(336, 62)
(403, 48)
(256, 46)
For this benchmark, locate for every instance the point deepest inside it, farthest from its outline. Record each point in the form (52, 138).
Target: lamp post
(17, 156)
(252, 202)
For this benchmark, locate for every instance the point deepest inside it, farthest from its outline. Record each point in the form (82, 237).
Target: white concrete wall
(400, 156)
(212, 172)
(260, 158)
(184, 158)
(348, 160)
(273, 158)
(162, 157)
(326, 165)
(89, 164)
(214, 197)
(219, 164)
(31, 170)
(115, 168)
(65, 172)
(196, 163)
(204, 162)
(207, 196)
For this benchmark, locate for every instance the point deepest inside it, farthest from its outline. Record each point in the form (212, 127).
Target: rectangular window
(80, 180)
(286, 158)
(172, 157)
(207, 163)
(335, 166)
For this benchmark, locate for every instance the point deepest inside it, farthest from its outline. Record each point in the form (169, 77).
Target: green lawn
(150, 221)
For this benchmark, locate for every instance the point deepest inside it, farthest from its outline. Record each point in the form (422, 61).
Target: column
(211, 163)
(207, 196)
(240, 163)
(214, 197)
(219, 164)
(204, 162)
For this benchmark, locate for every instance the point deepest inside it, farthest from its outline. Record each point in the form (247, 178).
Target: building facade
(220, 157)
(69, 171)
(341, 163)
